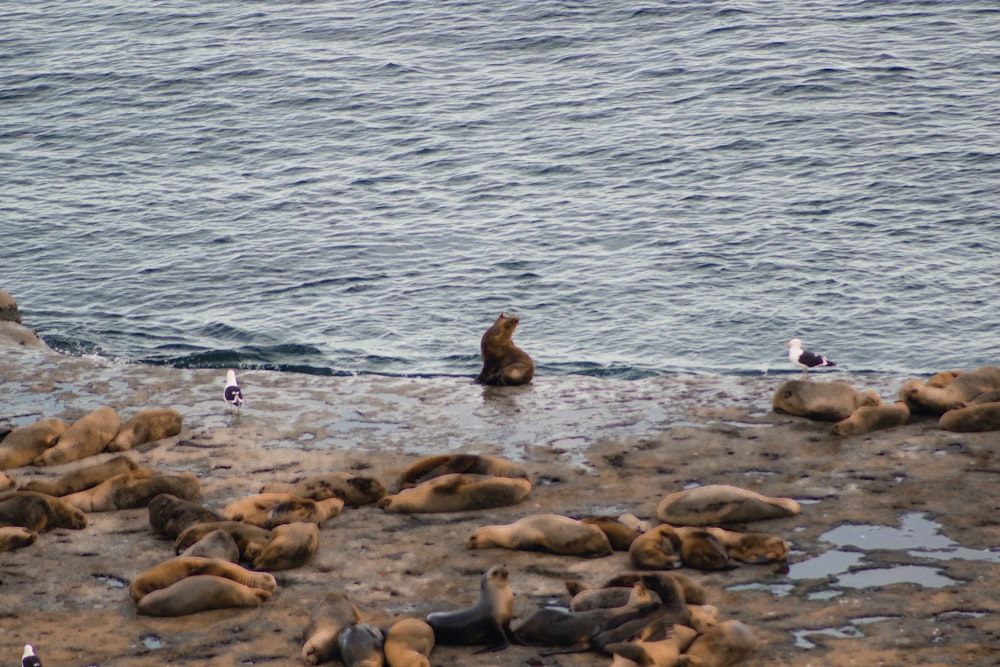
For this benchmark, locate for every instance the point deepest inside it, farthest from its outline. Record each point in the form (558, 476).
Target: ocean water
(362, 186)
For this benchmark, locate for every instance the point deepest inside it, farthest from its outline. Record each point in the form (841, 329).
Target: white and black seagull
(233, 395)
(805, 359)
(28, 658)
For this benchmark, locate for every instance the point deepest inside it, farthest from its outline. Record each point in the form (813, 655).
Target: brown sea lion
(670, 587)
(543, 532)
(825, 401)
(354, 490)
(486, 622)
(360, 645)
(926, 399)
(753, 548)
(656, 549)
(272, 509)
(660, 582)
(132, 489)
(200, 592)
(409, 643)
(870, 418)
(504, 364)
(658, 645)
(40, 512)
(619, 535)
(249, 538)
(8, 308)
(973, 419)
(722, 503)
(942, 379)
(23, 445)
(6, 482)
(721, 645)
(171, 516)
(82, 478)
(172, 570)
(216, 544)
(292, 545)
(458, 493)
(146, 426)
(15, 537)
(472, 464)
(702, 550)
(986, 397)
(703, 616)
(87, 436)
(333, 613)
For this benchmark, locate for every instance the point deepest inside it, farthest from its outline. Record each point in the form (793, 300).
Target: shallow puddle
(852, 631)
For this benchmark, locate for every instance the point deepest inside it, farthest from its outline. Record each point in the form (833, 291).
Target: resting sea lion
(973, 419)
(753, 548)
(656, 549)
(543, 532)
(409, 643)
(6, 483)
(942, 379)
(703, 616)
(249, 538)
(360, 645)
(721, 645)
(171, 516)
(82, 478)
(352, 489)
(135, 488)
(23, 445)
(873, 418)
(667, 587)
(658, 582)
(721, 503)
(659, 645)
(472, 464)
(216, 544)
(146, 426)
(926, 399)
(87, 436)
(168, 572)
(333, 613)
(293, 545)
(200, 592)
(702, 550)
(39, 512)
(458, 493)
(825, 401)
(486, 622)
(268, 510)
(15, 537)
(504, 363)
(619, 535)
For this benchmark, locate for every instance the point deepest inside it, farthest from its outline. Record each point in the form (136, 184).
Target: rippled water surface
(362, 186)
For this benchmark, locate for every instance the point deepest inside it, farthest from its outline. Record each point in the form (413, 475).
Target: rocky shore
(894, 557)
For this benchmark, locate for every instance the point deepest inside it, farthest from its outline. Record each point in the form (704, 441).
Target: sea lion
(504, 364)
(927, 399)
(658, 645)
(753, 548)
(869, 418)
(268, 510)
(703, 616)
(354, 490)
(146, 426)
(472, 464)
(175, 569)
(216, 544)
(292, 545)
(409, 643)
(249, 538)
(333, 613)
(6, 482)
(702, 550)
(171, 516)
(82, 478)
(656, 549)
(200, 593)
(986, 397)
(824, 401)
(360, 645)
(942, 379)
(722, 503)
(15, 537)
(8, 308)
(486, 622)
(973, 419)
(659, 582)
(23, 445)
(619, 535)
(544, 532)
(670, 590)
(40, 512)
(457, 493)
(721, 645)
(87, 436)
(132, 489)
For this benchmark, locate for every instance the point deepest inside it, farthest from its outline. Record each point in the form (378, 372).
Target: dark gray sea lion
(82, 478)
(661, 583)
(354, 490)
(446, 464)
(360, 645)
(544, 532)
(87, 436)
(870, 418)
(146, 426)
(504, 363)
(23, 445)
(824, 401)
(486, 622)
(171, 516)
(721, 503)
(458, 493)
(40, 512)
(409, 643)
(132, 489)
(333, 613)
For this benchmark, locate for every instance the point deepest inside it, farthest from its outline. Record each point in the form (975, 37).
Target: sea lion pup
(544, 532)
(973, 419)
(926, 399)
(486, 622)
(268, 510)
(216, 544)
(352, 489)
(824, 401)
(292, 545)
(360, 645)
(409, 643)
(15, 537)
(250, 539)
(39, 512)
(658, 645)
(504, 364)
(721, 645)
(870, 418)
(445, 464)
(458, 493)
(333, 613)
(753, 548)
(721, 503)
(619, 535)
(146, 426)
(135, 488)
(656, 549)
(171, 516)
(87, 436)
(200, 593)
(23, 445)
(172, 570)
(82, 478)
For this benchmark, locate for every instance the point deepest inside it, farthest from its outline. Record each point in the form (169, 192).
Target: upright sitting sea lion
(82, 478)
(135, 488)
(23, 445)
(504, 363)
(825, 401)
(658, 548)
(486, 622)
(146, 426)
(333, 613)
(251, 539)
(972, 419)
(171, 516)
(458, 493)
(926, 399)
(472, 464)
(544, 532)
(200, 592)
(272, 509)
(15, 537)
(353, 489)
(722, 503)
(409, 643)
(292, 545)
(87, 436)
(40, 512)
(721, 645)
(659, 644)
(360, 645)
(869, 418)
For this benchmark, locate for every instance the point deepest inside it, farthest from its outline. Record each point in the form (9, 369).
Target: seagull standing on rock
(233, 395)
(805, 359)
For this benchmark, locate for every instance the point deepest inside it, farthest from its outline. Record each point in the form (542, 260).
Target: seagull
(28, 658)
(805, 359)
(233, 395)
